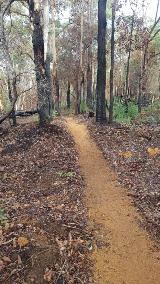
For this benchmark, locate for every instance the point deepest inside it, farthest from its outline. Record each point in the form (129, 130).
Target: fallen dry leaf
(6, 259)
(19, 260)
(22, 241)
(153, 151)
(48, 275)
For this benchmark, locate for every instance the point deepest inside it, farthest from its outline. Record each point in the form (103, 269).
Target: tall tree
(101, 71)
(128, 61)
(80, 75)
(43, 82)
(53, 49)
(89, 98)
(112, 62)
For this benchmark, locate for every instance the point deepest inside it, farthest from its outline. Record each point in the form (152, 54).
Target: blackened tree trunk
(112, 64)
(77, 97)
(69, 96)
(12, 94)
(57, 100)
(43, 81)
(101, 71)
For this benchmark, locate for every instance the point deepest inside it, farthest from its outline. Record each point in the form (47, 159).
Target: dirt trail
(128, 257)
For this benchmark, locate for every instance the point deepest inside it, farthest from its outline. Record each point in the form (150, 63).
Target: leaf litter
(43, 228)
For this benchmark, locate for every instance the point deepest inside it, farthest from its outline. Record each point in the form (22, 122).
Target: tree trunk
(89, 98)
(12, 88)
(142, 80)
(80, 79)
(12, 94)
(112, 64)
(45, 26)
(57, 101)
(128, 64)
(77, 98)
(69, 96)
(101, 71)
(43, 82)
(54, 58)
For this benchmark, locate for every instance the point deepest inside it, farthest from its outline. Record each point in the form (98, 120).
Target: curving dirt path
(127, 255)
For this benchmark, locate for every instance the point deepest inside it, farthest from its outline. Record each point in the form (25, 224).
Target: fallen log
(25, 113)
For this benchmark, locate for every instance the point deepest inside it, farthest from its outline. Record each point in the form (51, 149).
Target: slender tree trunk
(78, 97)
(128, 64)
(80, 80)
(12, 94)
(69, 96)
(142, 80)
(47, 52)
(101, 72)
(45, 26)
(112, 64)
(56, 94)
(57, 102)
(89, 98)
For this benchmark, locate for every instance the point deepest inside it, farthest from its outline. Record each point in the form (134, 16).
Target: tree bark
(53, 52)
(77, 98)
(69, 96)
(101, 71)
(128, 64)
(43, 83)
(89, 98)
(112, 64)
(80, 79)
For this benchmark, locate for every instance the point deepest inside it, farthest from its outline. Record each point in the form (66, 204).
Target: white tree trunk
(46, 26)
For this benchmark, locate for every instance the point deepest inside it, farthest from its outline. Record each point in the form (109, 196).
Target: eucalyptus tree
(101, 57)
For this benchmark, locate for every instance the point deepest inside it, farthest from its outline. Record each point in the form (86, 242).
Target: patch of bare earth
(134, 153)
(43, 232)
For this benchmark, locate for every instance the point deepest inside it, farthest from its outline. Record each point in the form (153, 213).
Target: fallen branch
(25, 113)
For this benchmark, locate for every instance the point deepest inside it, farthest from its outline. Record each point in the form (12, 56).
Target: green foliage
(83, 107)
(64, 174)
(55, 113)
(120, 114)
(150, 115)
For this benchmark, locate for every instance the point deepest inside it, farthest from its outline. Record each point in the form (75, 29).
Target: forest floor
(43, 222)
(124, 253)
(62, 209)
